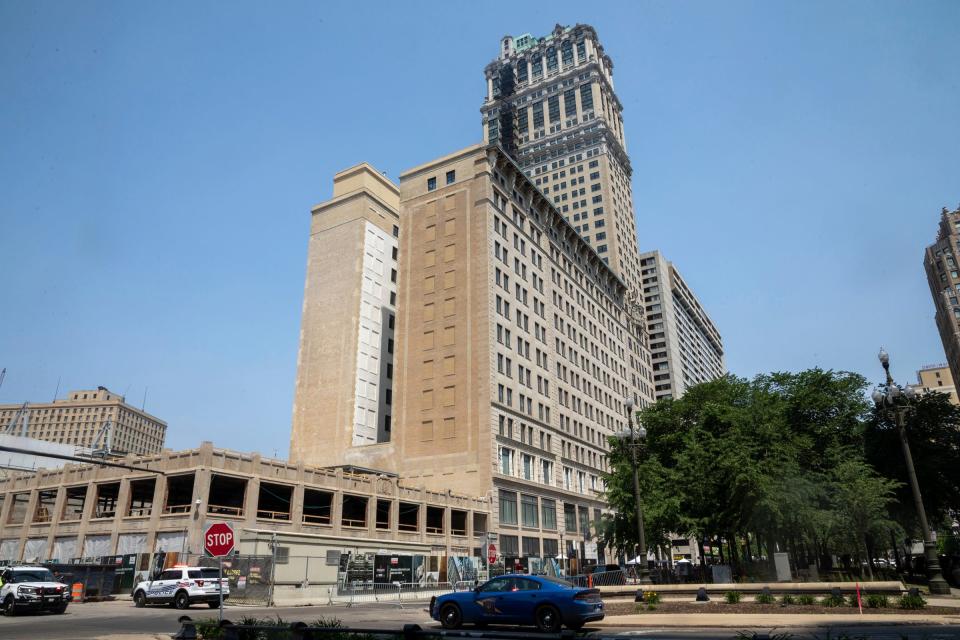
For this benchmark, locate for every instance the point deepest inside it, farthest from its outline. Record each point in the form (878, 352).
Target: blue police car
(547, 603)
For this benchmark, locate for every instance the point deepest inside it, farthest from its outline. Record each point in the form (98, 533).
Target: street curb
(739, 621)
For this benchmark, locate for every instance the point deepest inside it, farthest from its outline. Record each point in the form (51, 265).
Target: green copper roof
(524, 42)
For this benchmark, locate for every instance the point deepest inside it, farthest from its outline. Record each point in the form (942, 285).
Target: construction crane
(22, 414)
(3, 374)
(105, 434)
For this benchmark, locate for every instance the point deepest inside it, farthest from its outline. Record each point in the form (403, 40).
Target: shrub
(732, 597)
(651, 597)
(910, 601)
(328, 623)
(833, 601)
(788, 599)
(877, 601)
(766, 598)
(853, 601)
(806, 599)
(209, 629)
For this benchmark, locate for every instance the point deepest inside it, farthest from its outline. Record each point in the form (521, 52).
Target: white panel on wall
(64, 549)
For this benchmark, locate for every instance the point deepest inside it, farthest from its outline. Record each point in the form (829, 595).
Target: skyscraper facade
(512, 356)
(943, 276)
(685, 346)
(551, 106)
(344, 391)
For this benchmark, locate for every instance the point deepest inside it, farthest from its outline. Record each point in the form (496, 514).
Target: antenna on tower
(58, 389)
(3, 374)
(143, 405)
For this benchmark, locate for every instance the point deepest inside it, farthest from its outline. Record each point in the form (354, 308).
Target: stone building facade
(551, 105)
(943, 276)
(936, 377)
(168, 500)
(513, 352)
(344, 388)
(78, 418)
(686, 348)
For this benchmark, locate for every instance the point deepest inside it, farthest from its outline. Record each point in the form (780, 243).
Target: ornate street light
(896, 403)
(633, 439)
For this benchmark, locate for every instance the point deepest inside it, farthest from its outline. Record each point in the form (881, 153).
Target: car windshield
(34, 575)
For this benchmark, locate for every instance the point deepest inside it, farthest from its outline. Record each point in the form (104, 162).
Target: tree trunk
(869, 564)
(771, 549)
(734, 556)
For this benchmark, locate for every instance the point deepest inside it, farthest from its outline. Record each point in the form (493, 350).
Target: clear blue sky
(158, 162)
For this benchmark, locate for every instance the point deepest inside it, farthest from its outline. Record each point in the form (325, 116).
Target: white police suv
(181, 587)
(32, 588)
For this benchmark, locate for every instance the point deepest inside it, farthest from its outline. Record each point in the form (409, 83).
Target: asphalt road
(98, 621)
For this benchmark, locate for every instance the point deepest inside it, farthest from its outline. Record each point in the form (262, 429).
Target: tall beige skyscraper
(344, 390)
(943, 276)
(551, 105)
(684, 343)
(512, 358)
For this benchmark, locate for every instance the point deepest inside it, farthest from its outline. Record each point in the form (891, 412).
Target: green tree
(744, 460)
(861, 500)
(933, 430)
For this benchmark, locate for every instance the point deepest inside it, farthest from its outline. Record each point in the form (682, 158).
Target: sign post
(218, 541)
(491, 553)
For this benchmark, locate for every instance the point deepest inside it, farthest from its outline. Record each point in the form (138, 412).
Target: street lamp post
(634, 440)
(896, 402)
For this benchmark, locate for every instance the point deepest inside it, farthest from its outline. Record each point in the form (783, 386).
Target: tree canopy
(800, 462)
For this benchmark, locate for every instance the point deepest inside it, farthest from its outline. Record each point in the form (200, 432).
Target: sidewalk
(742, 620)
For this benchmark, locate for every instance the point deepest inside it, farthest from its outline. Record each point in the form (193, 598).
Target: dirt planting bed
(630, 608)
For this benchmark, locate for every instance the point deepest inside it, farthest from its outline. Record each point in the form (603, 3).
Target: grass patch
(788, 599)
(806, 599)
(732, 597)
(765, 598)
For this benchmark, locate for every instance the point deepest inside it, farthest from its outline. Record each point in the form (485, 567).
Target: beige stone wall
(249, 520)
(443, 326)
(491, 235)
(325, 395)
(937, 379)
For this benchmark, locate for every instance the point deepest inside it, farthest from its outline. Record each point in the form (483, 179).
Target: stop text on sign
(219, 539)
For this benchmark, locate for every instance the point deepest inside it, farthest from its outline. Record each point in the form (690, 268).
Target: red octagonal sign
(218, 539)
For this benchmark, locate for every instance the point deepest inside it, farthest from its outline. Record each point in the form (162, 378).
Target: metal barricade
(373, 592)
(391, 593)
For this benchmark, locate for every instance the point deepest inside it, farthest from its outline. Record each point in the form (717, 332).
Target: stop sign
(492, 553)
(218, 539)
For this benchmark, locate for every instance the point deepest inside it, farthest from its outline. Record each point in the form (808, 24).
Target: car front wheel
(181, 600)
(140, 599)
(548, 619)
(9, 607)
(60, 610)
(450, 616)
